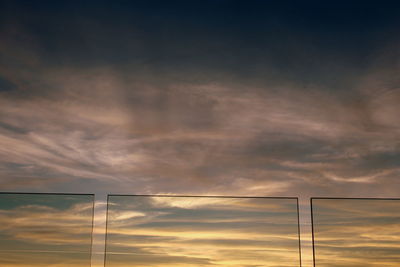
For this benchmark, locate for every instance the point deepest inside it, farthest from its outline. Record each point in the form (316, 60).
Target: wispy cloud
(45, 229)
(186, 231)
(356, 232)
(210, 98)
(273, 140)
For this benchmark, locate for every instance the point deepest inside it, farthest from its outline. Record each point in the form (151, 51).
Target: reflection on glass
(356, 232)
(201, 231)
(45, 230)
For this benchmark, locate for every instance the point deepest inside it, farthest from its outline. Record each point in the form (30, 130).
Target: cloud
(276, 140)
(142, 127)
(211, 98)
(356, 232)
(45, 229)
(233, 231)
(47, 225)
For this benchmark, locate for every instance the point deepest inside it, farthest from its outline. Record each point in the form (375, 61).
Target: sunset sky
(45, 230)
(222, 97)
(356, 232)
(207, 231)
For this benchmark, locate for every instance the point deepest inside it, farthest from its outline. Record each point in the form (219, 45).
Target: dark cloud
(13, 129)
(202, 40)
(6, 85)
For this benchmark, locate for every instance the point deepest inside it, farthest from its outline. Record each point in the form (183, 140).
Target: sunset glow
(356, 232)
(202, 231)
(244, 98)
(38, 230)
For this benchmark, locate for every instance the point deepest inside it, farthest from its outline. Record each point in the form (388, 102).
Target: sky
(193, 232)
(45, 230)
(356, 232)
(250, 98)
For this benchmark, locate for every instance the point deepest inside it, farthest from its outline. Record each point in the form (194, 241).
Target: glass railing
(175, 231)
(356, 232)
(43, 230)
(55, 230)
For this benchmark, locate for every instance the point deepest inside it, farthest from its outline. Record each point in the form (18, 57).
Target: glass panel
(45, 230)
(356, 232)
(201, 231)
